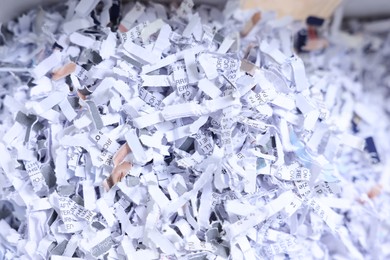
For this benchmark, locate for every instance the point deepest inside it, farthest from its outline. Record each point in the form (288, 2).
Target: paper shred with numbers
(154, 130)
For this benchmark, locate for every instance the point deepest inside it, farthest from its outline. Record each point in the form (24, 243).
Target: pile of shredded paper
(174, 131)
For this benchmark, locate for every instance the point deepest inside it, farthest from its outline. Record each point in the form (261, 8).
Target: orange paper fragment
(64, 71)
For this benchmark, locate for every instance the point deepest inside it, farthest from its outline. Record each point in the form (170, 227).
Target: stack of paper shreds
(189, 132)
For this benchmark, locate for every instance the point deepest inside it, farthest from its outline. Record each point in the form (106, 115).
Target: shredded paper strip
(182, 131)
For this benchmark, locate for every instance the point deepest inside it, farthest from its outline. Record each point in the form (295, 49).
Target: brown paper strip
(299, 9)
